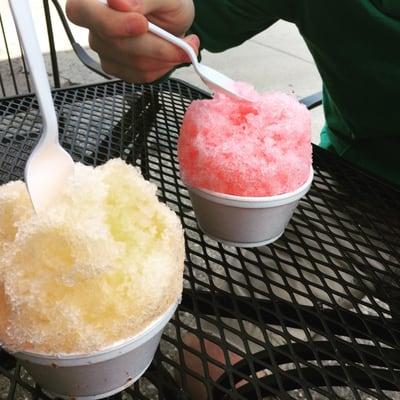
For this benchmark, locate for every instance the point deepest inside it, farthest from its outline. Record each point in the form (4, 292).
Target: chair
(14, 75)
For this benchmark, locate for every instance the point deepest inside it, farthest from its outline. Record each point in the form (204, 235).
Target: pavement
(276, 59)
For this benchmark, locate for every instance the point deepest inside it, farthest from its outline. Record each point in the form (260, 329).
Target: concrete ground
(276, 59)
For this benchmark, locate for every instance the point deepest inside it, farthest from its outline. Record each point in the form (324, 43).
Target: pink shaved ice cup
(245, 221)
(246, 165)
(98, 374)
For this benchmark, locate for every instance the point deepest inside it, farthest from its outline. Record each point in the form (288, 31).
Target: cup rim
(275, 199)
(120, 346)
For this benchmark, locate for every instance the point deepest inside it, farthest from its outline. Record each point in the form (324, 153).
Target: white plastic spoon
(49, 165)
(213, 79)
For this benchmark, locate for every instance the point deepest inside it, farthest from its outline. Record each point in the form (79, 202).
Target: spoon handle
(27, 34)
(162, 33)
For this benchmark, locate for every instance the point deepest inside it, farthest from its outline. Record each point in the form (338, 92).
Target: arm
(223, 24)
(119, 33)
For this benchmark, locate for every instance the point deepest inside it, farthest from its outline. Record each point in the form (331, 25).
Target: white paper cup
(98, 374)
(245, 221)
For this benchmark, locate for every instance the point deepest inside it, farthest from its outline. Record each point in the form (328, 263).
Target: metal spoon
(215, 80)
(49, 165)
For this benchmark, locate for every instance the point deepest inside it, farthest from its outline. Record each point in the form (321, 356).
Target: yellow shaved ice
(94, 269)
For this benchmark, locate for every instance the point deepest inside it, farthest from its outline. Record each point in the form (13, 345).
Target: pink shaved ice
(259, 148)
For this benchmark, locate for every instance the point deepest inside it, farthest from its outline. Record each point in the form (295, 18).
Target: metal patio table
(325, 298)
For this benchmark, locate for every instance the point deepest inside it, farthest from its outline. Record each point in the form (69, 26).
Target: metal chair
(14, 76)
(15, 81)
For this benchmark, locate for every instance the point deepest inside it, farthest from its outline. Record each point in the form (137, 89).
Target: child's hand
(119, 34)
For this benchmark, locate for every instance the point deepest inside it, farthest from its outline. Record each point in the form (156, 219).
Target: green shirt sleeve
(222, 24)
(355, 45)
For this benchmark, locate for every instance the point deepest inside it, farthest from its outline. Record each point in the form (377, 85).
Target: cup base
(245, 245)
(243, 221)
(101, 395)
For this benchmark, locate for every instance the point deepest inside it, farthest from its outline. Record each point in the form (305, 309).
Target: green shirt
(356, 47)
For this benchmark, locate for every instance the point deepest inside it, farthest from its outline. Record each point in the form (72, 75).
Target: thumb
(144, 7)
(194, 42)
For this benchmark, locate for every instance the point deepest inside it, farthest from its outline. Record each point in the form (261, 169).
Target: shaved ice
(258, 148)
(94, 269)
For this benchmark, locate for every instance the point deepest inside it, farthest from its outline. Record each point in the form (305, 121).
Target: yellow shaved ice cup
(87, 287)
(98, 374)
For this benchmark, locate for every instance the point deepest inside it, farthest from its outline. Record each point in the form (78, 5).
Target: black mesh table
(317, 313)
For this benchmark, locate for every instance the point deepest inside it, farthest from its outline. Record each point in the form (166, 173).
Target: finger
(159, 48)
(193, 41)
(114, 54)
(145, 6)
(144, 46)
(126, 5)
(171, 8)
(126, 51)
(132, 75)
(143, 65)
(106, 22)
